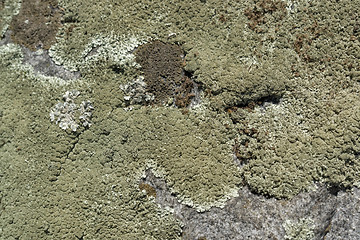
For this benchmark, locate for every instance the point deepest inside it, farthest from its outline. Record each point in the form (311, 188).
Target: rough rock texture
(259, 140)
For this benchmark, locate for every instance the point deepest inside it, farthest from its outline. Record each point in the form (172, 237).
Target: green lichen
(311, 135)
(307, 58)
(301, 230)
(192, 153)
(42, 182)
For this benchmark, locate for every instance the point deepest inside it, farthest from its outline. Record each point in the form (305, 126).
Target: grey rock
(43, 64)
(316, 214)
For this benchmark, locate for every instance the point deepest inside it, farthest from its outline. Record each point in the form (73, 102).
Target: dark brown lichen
(258, 14)
(36, 24)
(150, 190)
(163, 68)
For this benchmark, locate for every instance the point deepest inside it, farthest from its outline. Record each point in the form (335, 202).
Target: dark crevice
(274, 99)
(117, 69)
(335, 189)
(251, 105)
(77, 137)
(80, 238)
(69, 19)
(327, 226)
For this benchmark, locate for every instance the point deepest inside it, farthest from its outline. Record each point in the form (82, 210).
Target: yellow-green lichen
(191, 152)
(306, 58)
(301, 230)
(311, 134)
(40, 179)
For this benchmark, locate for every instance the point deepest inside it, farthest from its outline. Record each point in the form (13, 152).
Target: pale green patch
(299, 230)
(11, 8)
(192, 153)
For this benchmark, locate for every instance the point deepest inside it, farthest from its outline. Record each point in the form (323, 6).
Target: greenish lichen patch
(40, 179)
(300, 230)
(8, 9)
(311, 134)
(213, 40)
(307, 59)
(194, 158)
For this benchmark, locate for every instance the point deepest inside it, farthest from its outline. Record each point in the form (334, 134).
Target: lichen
(192, 156)
(68, 114)
(36, 24)
(135, 92)
(300, 230)
(307, 59)
(13, 59)
(10, 8)
(111, 46)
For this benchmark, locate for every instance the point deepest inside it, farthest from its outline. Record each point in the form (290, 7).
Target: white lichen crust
(135, 92)
(118, 49)
(70, 115)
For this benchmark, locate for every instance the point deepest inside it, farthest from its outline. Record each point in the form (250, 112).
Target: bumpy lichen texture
(302, 229)
(8, 8)
(190, 152)
(313, 133)
(65, 199)
(85, 184)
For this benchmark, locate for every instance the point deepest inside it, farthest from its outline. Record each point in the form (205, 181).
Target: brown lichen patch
(304, 40)
(184, 93)
(258, 14)
(150, 190)
(163, 68)
(36, 24)
(244, 146)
